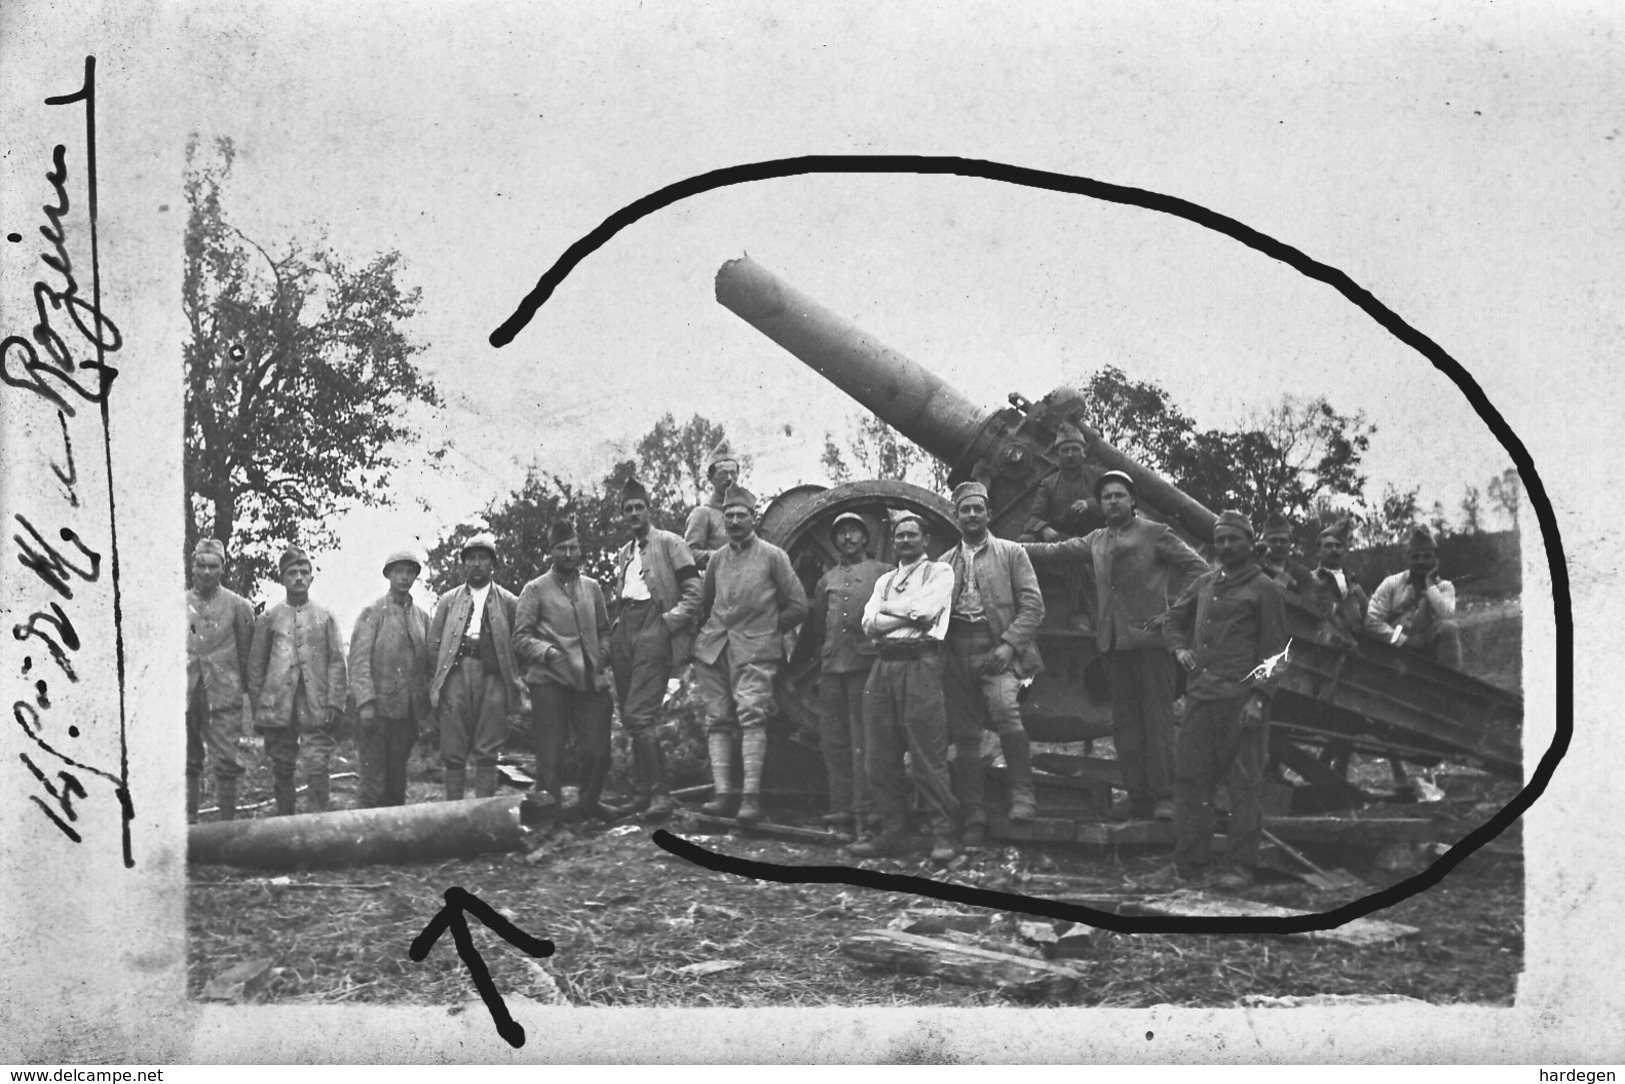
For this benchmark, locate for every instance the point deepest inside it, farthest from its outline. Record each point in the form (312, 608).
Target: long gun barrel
(915, 402)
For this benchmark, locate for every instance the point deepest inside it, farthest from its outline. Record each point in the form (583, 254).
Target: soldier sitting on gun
(706, 531)
(1415, 608)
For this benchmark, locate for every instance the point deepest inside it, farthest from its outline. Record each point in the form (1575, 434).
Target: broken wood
(936, 920)
(354, 837)
(1319, 878)
(1360, 932)
(777, 831)
(968, 965)
(243, 982)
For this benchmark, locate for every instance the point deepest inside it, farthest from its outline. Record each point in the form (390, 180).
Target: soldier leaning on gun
(1416, 609)
(1134, 560)
(296, 679)
(389, 681)
(219, 637)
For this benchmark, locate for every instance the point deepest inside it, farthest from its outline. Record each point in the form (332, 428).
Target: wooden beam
(1359, 932)
(968, 965)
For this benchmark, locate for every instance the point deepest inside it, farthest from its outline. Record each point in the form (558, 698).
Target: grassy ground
(627, 919)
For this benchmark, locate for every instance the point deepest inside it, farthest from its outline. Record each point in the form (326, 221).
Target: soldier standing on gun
(562, 633)
(837, 609)
(389, 679)
(654, 628)
(907, 617)
(1334, 588)
(296, 679)
(706, 532)
(1062, 509)
(219, 636)
(475, 681)
(1133, 560)
(996, 611)
(752, 598)
(1222, 628)
(1276, 560)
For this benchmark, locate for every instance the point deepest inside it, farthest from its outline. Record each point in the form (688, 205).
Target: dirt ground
(630, 922)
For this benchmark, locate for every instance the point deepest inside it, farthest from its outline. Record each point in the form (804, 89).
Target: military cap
(291, 556)
(719, 455)
(1339, 529)
(561, 530)
(738, 496)
(1119, 477)
(632, 490)
(966, 490)
(212, 546)
(402, 557)
(485, 540)
(1067, 433)
(902, 517)
(1276, 524)
(849, 517)
(1422, 539)
(1234, 519)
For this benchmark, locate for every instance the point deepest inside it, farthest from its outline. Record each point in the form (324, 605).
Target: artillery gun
(1375, 699)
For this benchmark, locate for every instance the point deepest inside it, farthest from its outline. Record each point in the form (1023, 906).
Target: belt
(466, 650)
(638, 601)
(906, 650)
(960, 627)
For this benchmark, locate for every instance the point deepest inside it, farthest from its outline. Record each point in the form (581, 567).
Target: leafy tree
(876, 450)
(1507, 493)
(300, 381)
(671, 461)
(1136, 417)
(1393, 516)
(1472, 511)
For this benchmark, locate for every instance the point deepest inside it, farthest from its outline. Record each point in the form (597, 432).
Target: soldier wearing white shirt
(1415, 608)
(903, 711)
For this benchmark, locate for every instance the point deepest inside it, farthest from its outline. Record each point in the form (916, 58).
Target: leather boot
(282, 787)
(1018, 758)
(660, 800)
(225, 789)
(193, 786)
(317, 780)
(485, 780)
(456, 780)
(722, 755)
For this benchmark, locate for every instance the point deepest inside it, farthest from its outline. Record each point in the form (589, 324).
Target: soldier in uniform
(659, 591)
(1134, 561)
(475, 682)
(1334, 589)
(1276, 559)
(296, 679)
(389, 681)
(562, 635)
(996, 611)
(1415, 608)
(219, 636)
(706, 533)
(837, 611)
(1221, 629)
(1061, 508)
(907, 616)
(751, 598)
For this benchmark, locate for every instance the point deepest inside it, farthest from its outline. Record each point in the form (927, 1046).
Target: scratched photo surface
(405, 177)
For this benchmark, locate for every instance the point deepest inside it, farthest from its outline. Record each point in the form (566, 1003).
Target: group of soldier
(918, 657)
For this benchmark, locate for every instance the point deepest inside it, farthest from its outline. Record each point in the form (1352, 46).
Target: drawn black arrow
(459, 901)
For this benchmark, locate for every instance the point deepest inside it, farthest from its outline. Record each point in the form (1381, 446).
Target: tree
(876, 450)
(1393, 517)
(1472, 511)
(671, 460)
(299, 381)
(1507, 493)
(1136, 417)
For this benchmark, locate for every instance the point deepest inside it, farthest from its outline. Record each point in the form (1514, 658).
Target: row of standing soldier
(977, 649)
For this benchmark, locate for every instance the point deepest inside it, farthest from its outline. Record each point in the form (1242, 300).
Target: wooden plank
(767, 828)
(968, 965)
(936, 920)
(1037, 830)
(1096, 769)
(1360, 932)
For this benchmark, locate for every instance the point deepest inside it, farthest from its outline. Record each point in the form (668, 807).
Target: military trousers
(216, 732)
(736, 696)
(306, 724)
(1142, 694)
(558, 714)
(903, 713)
(1215, 748)
(640, 656)
(383, 748)
(473, 716)
(843, 739)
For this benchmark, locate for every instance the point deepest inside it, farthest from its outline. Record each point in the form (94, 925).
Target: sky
(480, 147)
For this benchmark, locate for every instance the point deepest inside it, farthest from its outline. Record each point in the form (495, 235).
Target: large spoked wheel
(798, 521)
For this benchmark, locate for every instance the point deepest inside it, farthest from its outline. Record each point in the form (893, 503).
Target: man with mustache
(219, 637)
(389, 679)
(1415, 609)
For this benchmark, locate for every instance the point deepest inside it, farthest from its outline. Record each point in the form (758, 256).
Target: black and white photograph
(913, 535)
